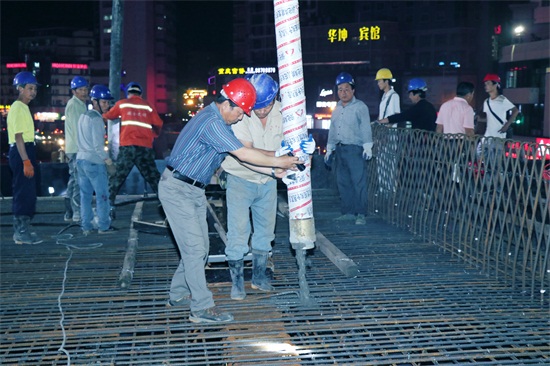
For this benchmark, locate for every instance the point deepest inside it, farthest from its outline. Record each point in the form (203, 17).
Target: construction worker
(350, 138)
(389, 104)
(140, 124)
(94, 164)
(388, 146)
(422, 114)
(250, 192)
(75, 107)
(198, 152)
(22, 159)
(496, 107)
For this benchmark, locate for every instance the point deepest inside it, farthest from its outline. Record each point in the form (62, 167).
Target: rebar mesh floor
(411, 303)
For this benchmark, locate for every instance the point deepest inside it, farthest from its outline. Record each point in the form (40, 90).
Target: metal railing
(484, 200)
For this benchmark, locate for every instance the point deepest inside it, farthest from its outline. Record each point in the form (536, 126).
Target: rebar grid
(486, 201)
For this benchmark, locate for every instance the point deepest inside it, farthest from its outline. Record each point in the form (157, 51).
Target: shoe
(360, 220)
(87, 232)
(75, 218)
(345, 217)
(210, 315)
(110, 230)
(68, 216)
(112, 213)
(184, 301)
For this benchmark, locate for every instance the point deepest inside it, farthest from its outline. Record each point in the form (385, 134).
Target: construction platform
(378, 295)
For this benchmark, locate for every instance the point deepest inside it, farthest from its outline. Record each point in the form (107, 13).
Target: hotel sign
(371, 33)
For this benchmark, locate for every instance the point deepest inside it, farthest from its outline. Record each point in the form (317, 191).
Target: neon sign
(371, 33)
(16, 65)
(57, 65)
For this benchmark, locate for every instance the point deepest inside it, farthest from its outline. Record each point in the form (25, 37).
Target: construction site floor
(409, 303)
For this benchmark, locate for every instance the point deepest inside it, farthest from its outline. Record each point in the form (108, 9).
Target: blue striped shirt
(202, 145)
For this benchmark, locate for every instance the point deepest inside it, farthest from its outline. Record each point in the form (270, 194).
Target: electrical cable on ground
(61, 239)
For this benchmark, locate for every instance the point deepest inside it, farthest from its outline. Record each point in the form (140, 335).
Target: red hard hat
(241, 92)
(492, 77)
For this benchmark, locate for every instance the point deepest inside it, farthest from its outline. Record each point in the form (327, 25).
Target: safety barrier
(484, 200)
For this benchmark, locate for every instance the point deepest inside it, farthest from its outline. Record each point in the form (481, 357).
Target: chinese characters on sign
(371, 33)
(248, 70)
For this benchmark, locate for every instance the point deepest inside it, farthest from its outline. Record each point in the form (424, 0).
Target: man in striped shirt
(198, 152)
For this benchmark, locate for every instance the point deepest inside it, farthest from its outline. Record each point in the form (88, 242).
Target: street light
(518, 31)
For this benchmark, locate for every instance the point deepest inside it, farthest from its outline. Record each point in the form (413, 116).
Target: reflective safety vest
(139, 121)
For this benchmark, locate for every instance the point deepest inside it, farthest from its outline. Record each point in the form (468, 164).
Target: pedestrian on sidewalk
(253, 194)
(350, 138)
(198, 152)
(140, 124)
(94, 164)
(76, 106)
(22, 159)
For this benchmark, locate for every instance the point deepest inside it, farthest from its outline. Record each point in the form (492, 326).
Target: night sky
(204, 28)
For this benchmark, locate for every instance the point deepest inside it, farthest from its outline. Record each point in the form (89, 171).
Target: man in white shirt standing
(387, 156)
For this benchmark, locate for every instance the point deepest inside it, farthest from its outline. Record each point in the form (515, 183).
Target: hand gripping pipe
(291, 80)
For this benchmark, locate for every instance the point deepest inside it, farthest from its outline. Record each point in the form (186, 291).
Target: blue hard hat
(266, 89)
(24, 78)
(417, 84)
(133, 87)
(344, 77)
(101, 92)
(78, 82)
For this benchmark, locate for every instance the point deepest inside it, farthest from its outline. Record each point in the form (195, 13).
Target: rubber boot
(260, 280)
(237, 277)
(22, 232)
(68, 210)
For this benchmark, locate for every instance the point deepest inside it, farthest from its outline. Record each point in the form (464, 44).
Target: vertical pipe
(291, 78)
(115, 67)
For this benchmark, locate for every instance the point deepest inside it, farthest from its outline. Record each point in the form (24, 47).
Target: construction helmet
(24, 78)
(101, 92)
(78, 82)
(241, 92)
(133, 87)
(417, 84)
(492, 77)
(266, 89)
(344, 77)
(383, 74)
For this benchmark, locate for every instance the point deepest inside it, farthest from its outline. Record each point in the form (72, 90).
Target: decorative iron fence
(487, 201)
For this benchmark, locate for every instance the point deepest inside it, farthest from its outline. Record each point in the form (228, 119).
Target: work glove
(284, 150)
(308, 145)
(28, 169)
(367, 150)
(330, 150)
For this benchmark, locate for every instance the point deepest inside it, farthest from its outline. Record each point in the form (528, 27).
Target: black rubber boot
(260, 280)
(237, 277)
(68, 210)
(22, 231)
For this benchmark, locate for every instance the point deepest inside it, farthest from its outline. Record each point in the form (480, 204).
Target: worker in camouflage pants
(140, 124)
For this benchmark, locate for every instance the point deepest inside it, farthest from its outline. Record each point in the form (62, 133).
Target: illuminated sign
(325, 92)
(16, 65)
(371, 33)
(57, 65)
(46, 116)
(248, 70)
(321, 104)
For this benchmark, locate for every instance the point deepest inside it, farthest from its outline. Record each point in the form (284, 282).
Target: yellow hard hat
(383, 74)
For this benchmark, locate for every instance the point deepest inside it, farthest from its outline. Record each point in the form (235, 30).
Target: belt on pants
(26, 144)
(185, 179)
